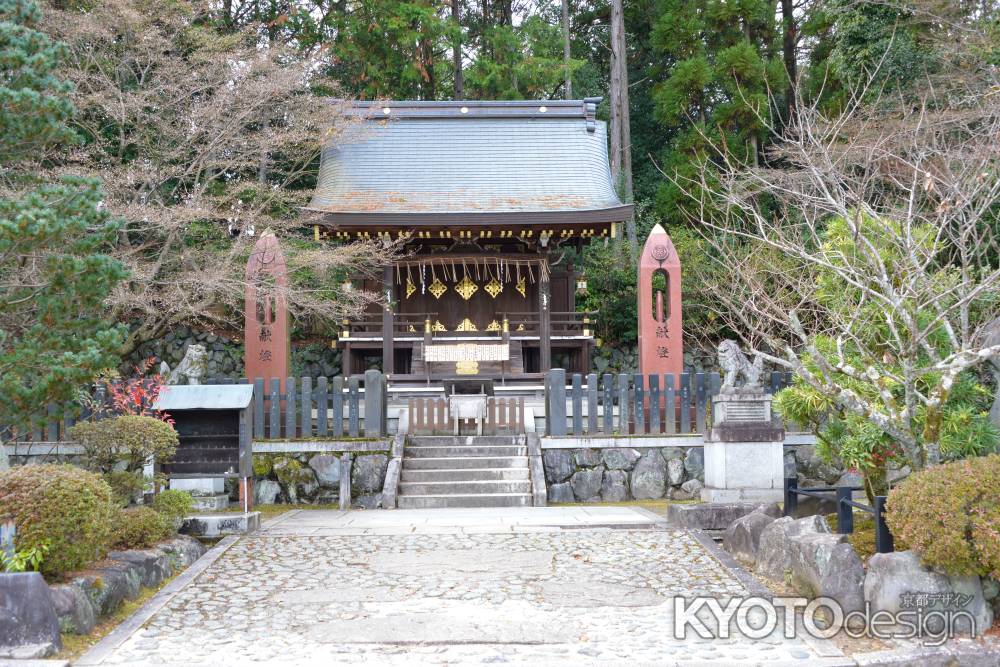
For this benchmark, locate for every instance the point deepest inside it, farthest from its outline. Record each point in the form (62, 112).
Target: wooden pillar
(544, 325)
(388, 349)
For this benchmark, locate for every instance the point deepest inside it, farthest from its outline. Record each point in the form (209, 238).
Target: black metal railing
(844, 499)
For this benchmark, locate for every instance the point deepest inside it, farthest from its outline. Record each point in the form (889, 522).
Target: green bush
(173, 504)
(950, 516)
(61, 507)
(139, 528)
(131, 439)
(125, 485)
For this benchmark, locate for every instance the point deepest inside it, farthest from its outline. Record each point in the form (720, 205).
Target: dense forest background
(681, 80)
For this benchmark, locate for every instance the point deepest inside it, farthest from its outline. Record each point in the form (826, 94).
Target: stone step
(440, 452)
(474, 500)
(454, 440)
(455, 462)
(463, 474)
(478, 487)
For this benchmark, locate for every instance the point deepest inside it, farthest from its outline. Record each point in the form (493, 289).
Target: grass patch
(76, 645)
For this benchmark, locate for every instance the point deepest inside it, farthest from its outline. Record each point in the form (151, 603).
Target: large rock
(619, 458)
(182, 551)
(810, 559)
(614, 486)
(368, 474)
(367, 502)
(266, 491)
(694, 463)
(153, 565)
(649, 477)
(561, 493)
(692, 488)
(675, 472)
(774, 551)
(586, 483)
(742, 537)
(29, 628)
(111, 585)
(558, 465)
(708, 516)
(327, 469)
(844, 579)
(587, 458)
(894, 578)
(73, 609)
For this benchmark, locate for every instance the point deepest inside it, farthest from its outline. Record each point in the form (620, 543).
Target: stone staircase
(465, 471)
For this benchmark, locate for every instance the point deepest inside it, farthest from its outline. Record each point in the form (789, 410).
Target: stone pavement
(451, 587)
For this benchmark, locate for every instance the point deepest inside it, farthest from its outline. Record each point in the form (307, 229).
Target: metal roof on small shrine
(204, 397)
(469, 161)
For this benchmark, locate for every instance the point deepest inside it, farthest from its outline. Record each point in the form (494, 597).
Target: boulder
(29, 628)
(73, 609)
(810, 555)
(844, 579)
(265, 491)
(586, 483)
(619, 458)
(774, 551)
(807, 506)
(327, 469)
(367, 502)
(675, 472)
(614, 486)
(692, 487)
(558, 465)
(669, 453)
(649, 477)
(742, 537)
(587, 458)
(773, 510)
(694, 463)
(852, 479)
(707, 516)
(182, 551)
(894, 578)
(561, 493)
(152, 564)
(368, 474)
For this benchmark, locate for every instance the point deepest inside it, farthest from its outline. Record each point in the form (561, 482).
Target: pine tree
(54, 272)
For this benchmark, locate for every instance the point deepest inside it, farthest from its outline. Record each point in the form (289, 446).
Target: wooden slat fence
(430, 416)
(634, 404)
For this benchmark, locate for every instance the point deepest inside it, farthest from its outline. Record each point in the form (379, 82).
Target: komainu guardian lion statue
(190, 370)
(734, 363)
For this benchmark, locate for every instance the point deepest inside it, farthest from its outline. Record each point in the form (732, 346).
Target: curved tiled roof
(434, 158)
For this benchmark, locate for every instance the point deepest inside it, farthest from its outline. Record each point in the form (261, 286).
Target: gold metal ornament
(466, 288)
(493, 288)
(522, 287)
(493, 326)
(410, 288)
(437, 288)
(520, 327)
(438, 326)
(466, 325)
(466, 367)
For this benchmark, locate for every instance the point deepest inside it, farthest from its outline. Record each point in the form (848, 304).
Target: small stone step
(454, 440)
(477, 487)
(463, 451)
(463, 474)
(465, 462)
(474, 500)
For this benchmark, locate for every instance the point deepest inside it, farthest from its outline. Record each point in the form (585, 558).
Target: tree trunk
(568, 87)
(456, 53)
(788, 42)
(621, 136)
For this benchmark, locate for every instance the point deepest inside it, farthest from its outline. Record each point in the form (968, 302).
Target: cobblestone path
(572, 596)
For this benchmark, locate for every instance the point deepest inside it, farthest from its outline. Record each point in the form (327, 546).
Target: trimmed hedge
(173, 504)
(64, 507)
(950, 516)
(139, 528)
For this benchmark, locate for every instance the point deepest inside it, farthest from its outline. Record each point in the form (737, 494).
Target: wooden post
(555, 411)
(592, 403)
(374, 405)
(544, 325)
(388, 324)
(577, 404)
(609, 405)
(338, 407)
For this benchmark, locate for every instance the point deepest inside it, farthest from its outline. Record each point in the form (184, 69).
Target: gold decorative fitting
(438, 326)
(466, 367)
(493, 326)
(466, 325)
(466, 288)
(413, 329)
(493, 287)
(410, 288)
(437, 288)
(522, 287)
(520, 327)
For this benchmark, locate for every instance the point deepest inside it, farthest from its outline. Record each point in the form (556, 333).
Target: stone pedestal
(200, 486)
(744, 452)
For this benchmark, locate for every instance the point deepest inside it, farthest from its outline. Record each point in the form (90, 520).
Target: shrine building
(488, 197)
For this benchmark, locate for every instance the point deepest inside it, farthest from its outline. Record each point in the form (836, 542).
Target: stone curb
(104, 648)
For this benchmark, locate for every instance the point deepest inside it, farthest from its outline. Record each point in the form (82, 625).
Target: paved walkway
(535, 586)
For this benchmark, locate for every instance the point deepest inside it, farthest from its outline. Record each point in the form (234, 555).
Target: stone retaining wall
(314, 477)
